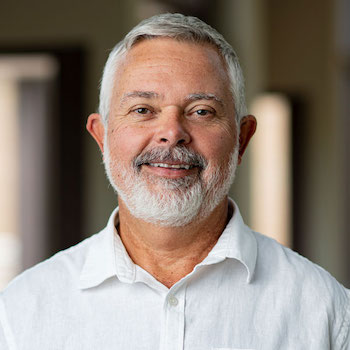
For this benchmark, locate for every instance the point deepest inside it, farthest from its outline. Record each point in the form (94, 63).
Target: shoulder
(277, 260)
(47, 287)
(43, 293)
(307, 287)
(45, 278)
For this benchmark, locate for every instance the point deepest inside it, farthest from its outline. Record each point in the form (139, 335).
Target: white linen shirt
(248, 293)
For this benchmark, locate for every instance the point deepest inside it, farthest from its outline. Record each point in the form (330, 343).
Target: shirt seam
(9, 338)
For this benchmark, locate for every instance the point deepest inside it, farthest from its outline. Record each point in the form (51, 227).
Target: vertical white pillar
(270, 175)
(9, 182)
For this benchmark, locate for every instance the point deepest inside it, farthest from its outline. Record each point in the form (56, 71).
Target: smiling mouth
(171, 166)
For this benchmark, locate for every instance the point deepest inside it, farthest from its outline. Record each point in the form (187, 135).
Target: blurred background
(294, 182)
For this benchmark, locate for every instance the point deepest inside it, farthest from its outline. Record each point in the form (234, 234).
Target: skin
(152, 105)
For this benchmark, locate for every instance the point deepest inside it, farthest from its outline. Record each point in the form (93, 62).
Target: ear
(96, 129)
(247, 130)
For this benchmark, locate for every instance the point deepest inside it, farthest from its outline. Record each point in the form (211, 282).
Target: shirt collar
(107, 257)
(237, 242)
(100, 258)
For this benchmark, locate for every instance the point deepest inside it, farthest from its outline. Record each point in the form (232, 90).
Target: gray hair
(182, 28)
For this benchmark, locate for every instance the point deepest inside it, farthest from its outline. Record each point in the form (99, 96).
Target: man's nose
(172, 130)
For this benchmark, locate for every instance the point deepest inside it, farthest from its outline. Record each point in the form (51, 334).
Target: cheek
(217, 146)
(125, 142)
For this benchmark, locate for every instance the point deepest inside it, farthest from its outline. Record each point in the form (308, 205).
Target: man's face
(171, 144)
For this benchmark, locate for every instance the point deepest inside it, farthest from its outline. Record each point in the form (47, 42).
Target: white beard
(178, 201)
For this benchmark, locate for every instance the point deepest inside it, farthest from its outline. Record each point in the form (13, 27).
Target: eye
(203, 112)
(142, 110)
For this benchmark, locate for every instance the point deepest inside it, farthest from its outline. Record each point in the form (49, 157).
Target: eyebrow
(151, 94)
(204, 96)
(142, 94)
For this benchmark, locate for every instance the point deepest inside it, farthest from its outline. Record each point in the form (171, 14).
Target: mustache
(175, 154)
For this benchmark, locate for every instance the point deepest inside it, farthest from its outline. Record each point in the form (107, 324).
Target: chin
(171, 202)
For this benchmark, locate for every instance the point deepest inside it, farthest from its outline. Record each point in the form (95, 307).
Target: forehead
(161, 60)
(160, 47)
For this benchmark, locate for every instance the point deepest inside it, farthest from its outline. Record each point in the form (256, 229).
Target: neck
(170, 253)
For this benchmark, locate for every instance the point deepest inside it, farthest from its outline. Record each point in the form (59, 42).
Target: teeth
(172, 166)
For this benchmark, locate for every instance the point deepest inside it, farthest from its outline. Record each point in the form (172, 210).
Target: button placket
(172, 332)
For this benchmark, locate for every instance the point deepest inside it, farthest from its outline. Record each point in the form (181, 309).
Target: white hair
(182, 28)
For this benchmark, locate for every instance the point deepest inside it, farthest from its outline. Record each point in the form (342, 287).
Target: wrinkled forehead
(205, 45)
(179, 56)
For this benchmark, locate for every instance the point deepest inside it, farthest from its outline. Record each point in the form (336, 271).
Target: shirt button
(173, 301)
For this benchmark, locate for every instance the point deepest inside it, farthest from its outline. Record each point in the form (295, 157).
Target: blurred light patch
(9, 180)
(13, 70)
(10, 257)
(271, 202)
(27, 66)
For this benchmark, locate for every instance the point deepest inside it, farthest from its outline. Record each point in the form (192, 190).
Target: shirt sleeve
(6, 337)
(344, 334)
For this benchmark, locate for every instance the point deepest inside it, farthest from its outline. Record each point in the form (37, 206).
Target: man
(175, 268)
